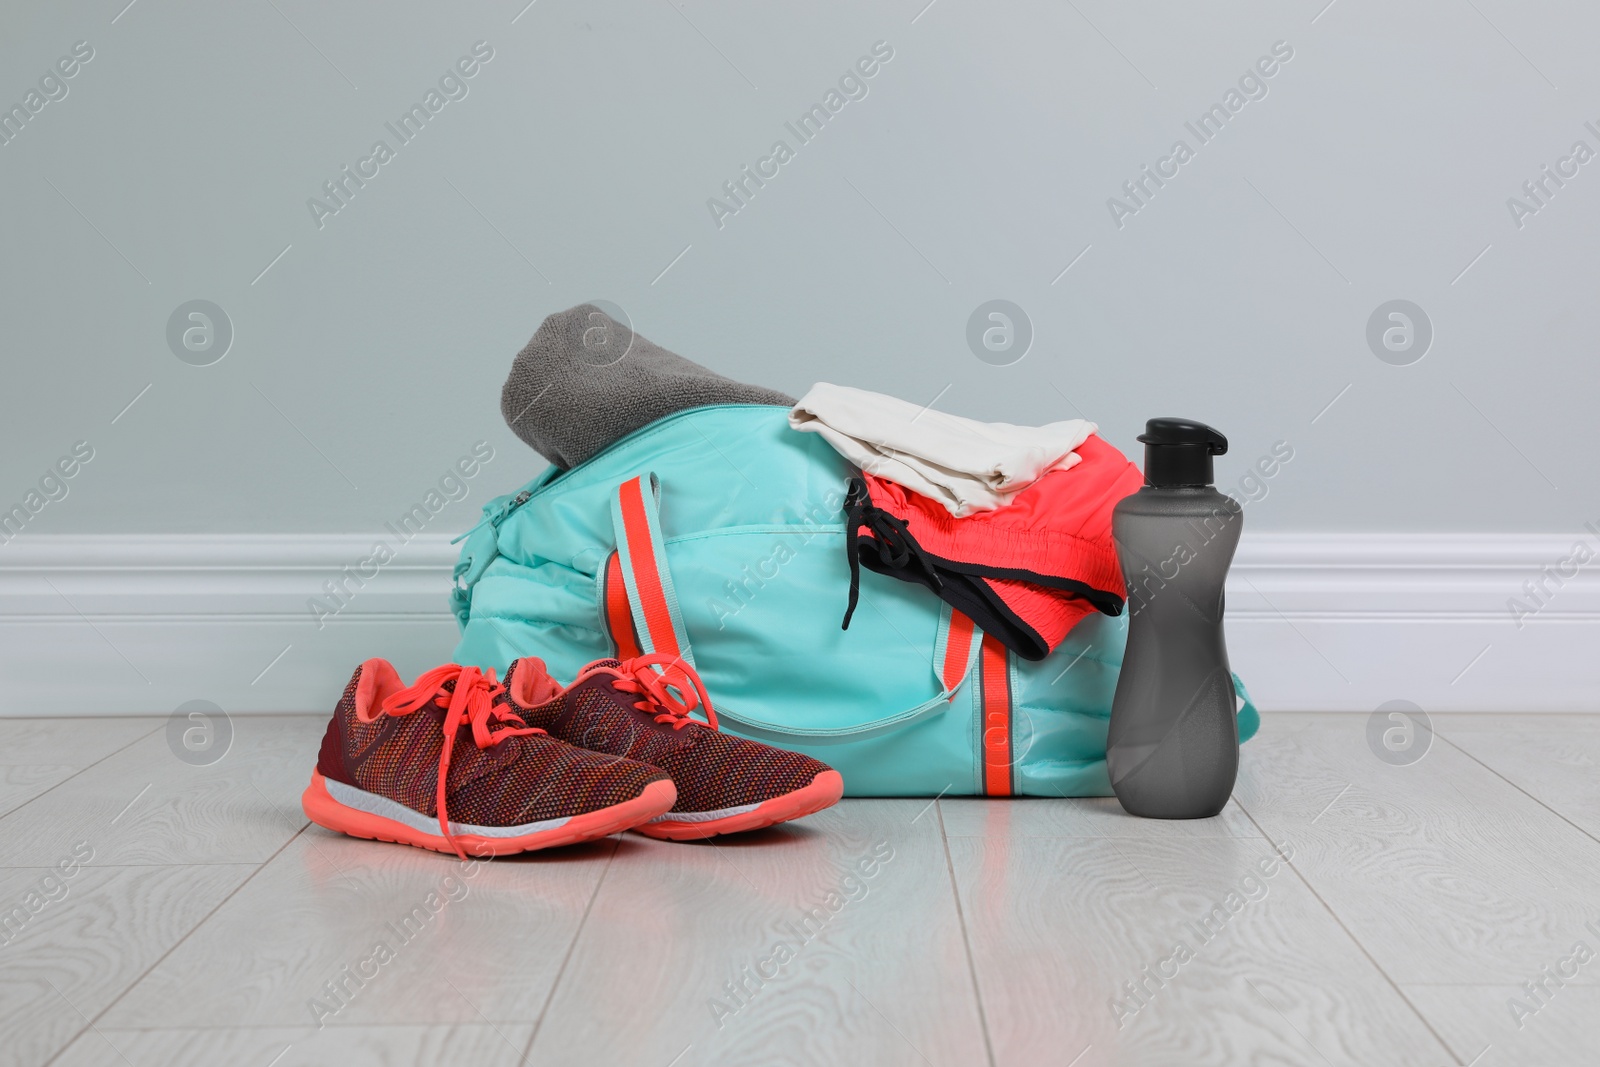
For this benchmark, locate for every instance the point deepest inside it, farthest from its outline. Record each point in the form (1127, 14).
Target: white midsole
(704, 816)
(373, 804)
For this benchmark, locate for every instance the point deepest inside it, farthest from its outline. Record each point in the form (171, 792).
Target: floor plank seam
(146, 866)
(328, 1024)
(1495, 984)
(80, 770)
(561, 971)
(1357, 943)
(170, 950)
(1517, 787)
(966, 938)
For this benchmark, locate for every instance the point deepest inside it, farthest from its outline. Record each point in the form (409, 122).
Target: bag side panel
(762, 606)
(1063, 708)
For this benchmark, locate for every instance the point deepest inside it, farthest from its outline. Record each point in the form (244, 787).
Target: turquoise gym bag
(717, 534)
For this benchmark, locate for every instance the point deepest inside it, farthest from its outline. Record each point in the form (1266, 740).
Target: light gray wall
(978, 166)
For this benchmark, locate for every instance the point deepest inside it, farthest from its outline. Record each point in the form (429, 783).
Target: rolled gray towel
(586, 380)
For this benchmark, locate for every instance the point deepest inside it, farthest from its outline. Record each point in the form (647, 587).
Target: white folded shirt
(965, 465)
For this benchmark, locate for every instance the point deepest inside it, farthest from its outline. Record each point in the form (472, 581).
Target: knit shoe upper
(630, 709)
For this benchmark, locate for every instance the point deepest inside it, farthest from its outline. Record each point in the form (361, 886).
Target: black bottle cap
(1179, 451)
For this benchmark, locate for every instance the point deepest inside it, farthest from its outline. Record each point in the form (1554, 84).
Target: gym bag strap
(635, 518)
(954, 649)
(963, 646)
(992, 699)
(618, 609)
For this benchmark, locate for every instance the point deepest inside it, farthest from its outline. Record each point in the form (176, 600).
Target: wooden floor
(201, 921)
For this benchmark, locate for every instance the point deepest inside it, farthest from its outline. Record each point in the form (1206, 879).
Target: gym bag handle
(635, 518)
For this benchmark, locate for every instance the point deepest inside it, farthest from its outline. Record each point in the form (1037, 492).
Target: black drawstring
(896, 547)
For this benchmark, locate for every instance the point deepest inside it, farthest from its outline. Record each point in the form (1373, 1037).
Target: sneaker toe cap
(732, 772)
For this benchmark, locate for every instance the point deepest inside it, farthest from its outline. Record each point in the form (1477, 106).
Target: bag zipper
(515, 503)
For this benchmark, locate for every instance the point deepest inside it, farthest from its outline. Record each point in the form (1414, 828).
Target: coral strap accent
(652, 593)
(957, 650)
(471, 700)
(996, 694)
(619, 615)
(668, 688)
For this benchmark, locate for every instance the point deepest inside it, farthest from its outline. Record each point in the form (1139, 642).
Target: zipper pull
(515, 503)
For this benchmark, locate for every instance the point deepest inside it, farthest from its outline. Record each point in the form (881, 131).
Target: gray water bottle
(1173, 746)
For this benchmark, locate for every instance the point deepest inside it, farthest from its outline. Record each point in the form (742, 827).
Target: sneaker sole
(321, 808)
(823, 792)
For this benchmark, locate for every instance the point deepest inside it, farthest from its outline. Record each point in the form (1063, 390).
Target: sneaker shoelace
(471, 700)
(668, 688)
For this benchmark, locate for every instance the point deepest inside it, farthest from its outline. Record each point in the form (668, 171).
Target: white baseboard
(1347, 621)
(1340, 622)
(140, 624)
